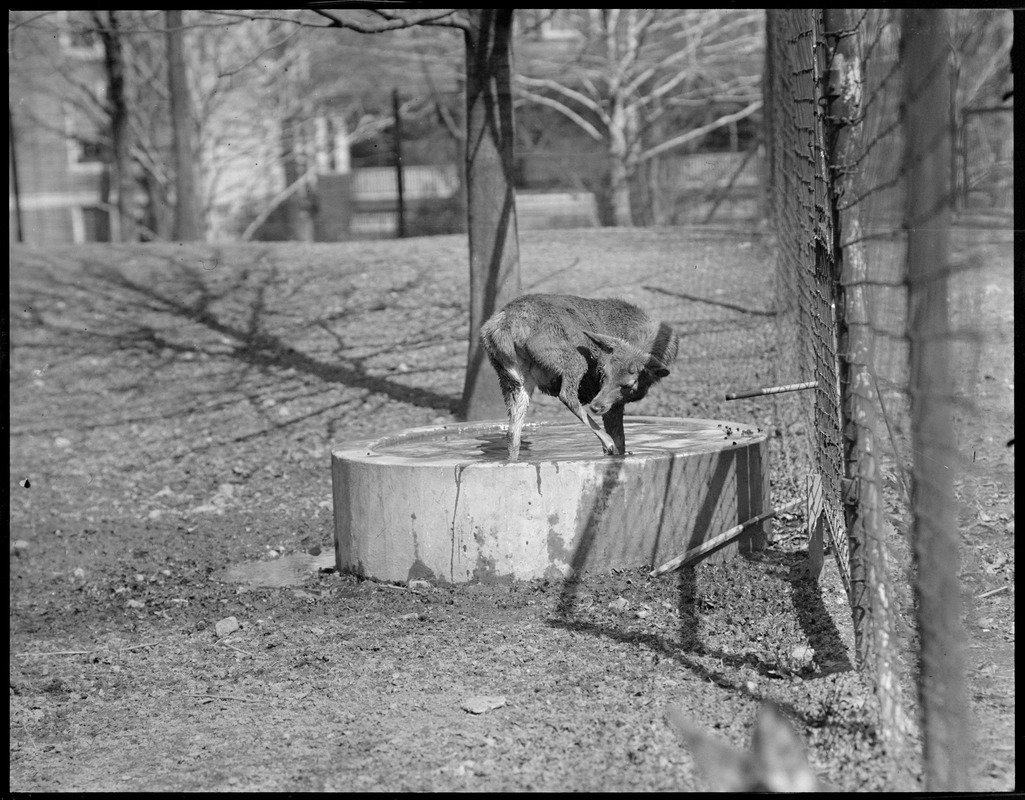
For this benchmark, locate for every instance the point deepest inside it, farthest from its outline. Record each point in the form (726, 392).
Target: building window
(90, 224)
(76, 39)
(87, 150)
(548, 23)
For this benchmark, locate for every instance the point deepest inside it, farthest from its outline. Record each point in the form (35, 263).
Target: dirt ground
(172, 415)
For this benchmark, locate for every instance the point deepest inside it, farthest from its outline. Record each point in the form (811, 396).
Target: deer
(776, 761)
(595, 355)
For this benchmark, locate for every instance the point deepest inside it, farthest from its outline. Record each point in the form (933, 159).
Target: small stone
(482, 703)
(226, 626)
(619, 605)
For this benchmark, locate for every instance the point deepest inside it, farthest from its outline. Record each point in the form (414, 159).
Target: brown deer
(595, 355)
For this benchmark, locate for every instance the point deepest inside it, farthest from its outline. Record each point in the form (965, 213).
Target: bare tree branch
(391, 21)
(697, 133)
(563, 109)
(568, 92)
(268, 48)
(27, 23)
(276, 201)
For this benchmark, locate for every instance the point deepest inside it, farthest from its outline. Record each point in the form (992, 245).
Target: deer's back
(566, 316)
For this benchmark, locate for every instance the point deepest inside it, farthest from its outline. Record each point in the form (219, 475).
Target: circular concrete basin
(443, 503)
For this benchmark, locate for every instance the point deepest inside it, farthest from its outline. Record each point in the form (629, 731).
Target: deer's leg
(568, 396)
(613, 420)
(517, 387)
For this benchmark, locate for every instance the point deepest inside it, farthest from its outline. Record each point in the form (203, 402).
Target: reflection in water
(565, 441)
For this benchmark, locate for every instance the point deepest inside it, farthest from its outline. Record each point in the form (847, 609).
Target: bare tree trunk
(941, 675)
(298, 203)
(187, 218)
(122, 187)
(872, 600)
(298, 206)
(399, 182)
(491, 207)
(15, 184)
(619, 177)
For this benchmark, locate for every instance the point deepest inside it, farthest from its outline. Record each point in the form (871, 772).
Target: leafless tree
(489, 140)
(644, 82)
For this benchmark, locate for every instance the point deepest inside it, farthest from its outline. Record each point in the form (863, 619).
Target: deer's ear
(655, 366)
(604, 341)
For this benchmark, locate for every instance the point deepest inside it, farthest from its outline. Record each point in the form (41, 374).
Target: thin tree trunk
(122, 187)
(298, 200)
(187, 219)
(619, 175)
(491, 207)
(399, 182)
(297, 203)
(15, 185)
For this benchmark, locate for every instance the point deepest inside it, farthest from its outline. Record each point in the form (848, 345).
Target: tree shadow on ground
(164, 309)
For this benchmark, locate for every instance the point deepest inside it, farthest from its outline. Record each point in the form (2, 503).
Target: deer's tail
(498, 343)
(497, 338)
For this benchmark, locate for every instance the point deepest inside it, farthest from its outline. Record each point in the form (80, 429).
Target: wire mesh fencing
(899, 311)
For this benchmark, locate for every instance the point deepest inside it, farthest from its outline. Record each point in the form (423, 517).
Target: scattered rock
(226, 626)
(224, 495)
(481, 704)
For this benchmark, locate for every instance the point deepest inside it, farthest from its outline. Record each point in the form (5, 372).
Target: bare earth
(172, 415)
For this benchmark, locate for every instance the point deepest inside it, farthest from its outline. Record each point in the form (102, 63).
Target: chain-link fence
(890, 306)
